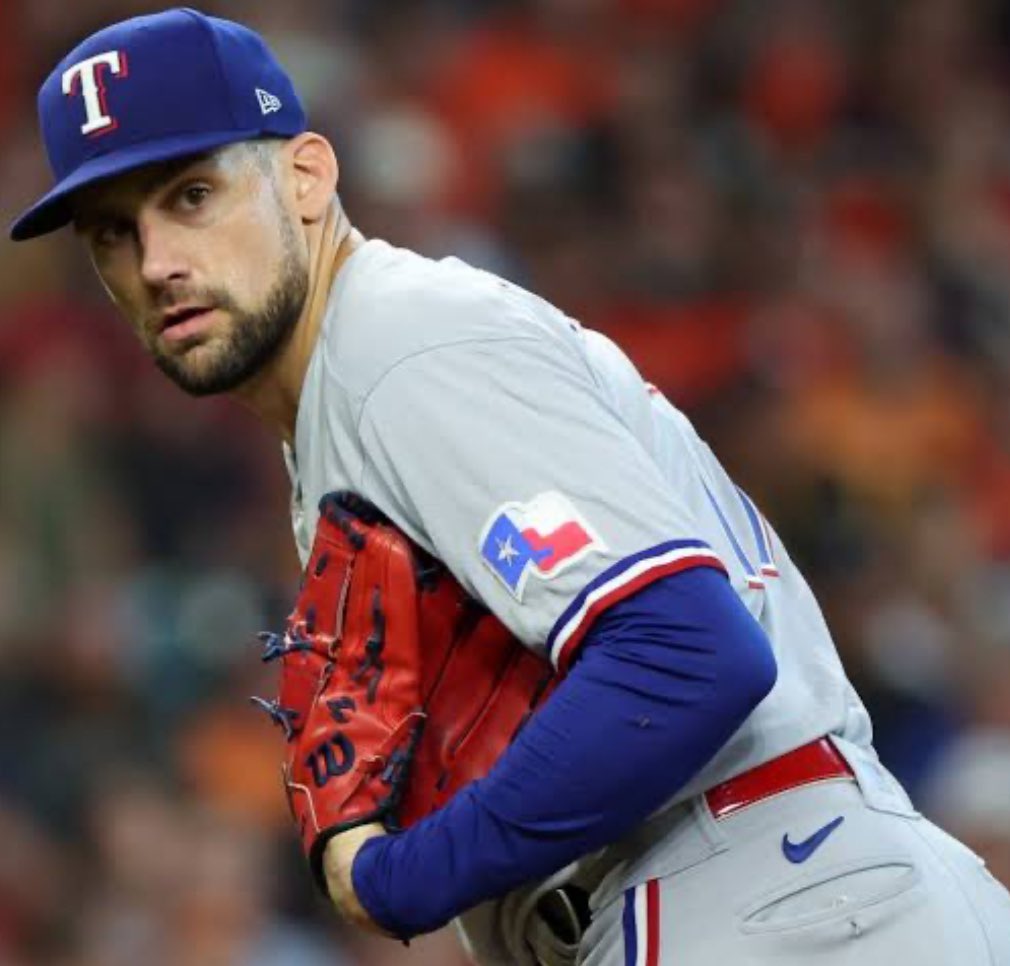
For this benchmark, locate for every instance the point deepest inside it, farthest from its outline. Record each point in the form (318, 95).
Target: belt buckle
(559, 921)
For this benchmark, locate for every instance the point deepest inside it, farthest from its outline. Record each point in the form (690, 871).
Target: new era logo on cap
(268, 102)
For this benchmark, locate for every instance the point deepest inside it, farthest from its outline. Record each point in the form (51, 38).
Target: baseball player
(700, 786)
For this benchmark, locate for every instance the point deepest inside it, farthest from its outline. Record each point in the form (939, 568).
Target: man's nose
(162, 251)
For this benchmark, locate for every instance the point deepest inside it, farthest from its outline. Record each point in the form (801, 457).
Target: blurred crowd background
(795, 216)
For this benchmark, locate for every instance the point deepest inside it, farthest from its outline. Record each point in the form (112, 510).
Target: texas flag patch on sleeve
(543, 537)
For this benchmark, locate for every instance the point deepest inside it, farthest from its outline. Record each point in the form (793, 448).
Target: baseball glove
(396, 688)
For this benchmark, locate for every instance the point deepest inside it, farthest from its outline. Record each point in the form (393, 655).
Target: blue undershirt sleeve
(663, 680)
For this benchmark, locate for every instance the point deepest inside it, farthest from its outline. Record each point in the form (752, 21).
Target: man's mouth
(179, 316)
(182, 323)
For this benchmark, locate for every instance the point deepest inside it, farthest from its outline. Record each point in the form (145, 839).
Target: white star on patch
(506, 551)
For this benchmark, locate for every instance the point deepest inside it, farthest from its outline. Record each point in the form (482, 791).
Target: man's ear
(313, 172)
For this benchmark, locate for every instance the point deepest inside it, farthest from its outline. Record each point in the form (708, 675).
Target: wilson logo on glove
(331, 766)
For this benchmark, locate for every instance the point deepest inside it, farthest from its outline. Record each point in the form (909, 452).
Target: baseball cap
(151, 89)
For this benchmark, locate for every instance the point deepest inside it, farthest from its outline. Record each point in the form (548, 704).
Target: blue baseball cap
(152, 89)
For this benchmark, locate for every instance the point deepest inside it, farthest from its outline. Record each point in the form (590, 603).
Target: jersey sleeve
(507, 460)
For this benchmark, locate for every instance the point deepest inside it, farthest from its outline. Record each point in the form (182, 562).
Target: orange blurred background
(794, 214)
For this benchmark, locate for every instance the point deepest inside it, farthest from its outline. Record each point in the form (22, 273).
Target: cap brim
(54, 210)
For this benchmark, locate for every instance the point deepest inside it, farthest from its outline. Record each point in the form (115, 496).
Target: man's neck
(273, 393)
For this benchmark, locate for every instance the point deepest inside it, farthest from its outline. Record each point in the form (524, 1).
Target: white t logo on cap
(90, 72)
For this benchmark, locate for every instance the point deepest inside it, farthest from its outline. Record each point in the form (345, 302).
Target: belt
(818, 761)
(562, 915)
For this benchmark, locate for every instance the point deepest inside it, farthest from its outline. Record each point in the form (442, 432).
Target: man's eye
(194, 196)
(111, 234)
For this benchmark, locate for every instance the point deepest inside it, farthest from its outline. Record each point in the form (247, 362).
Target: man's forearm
(663, 681)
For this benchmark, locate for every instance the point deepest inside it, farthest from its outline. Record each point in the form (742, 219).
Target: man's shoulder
(392, 304)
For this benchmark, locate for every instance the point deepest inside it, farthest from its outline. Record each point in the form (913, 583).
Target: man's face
(203, 259)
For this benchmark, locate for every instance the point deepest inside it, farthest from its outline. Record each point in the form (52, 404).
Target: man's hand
(337, 862)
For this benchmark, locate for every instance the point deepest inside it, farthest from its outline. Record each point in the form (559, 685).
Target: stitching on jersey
(428, 350)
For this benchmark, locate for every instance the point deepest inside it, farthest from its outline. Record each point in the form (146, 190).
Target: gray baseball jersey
(472, 412)
(529, 455)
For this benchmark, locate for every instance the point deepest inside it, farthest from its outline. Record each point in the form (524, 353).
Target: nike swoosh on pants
(797, 852)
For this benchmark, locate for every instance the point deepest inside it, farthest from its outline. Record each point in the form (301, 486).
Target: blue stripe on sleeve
(615, 571)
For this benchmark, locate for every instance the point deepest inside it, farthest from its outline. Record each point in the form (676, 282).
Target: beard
(253, 339)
